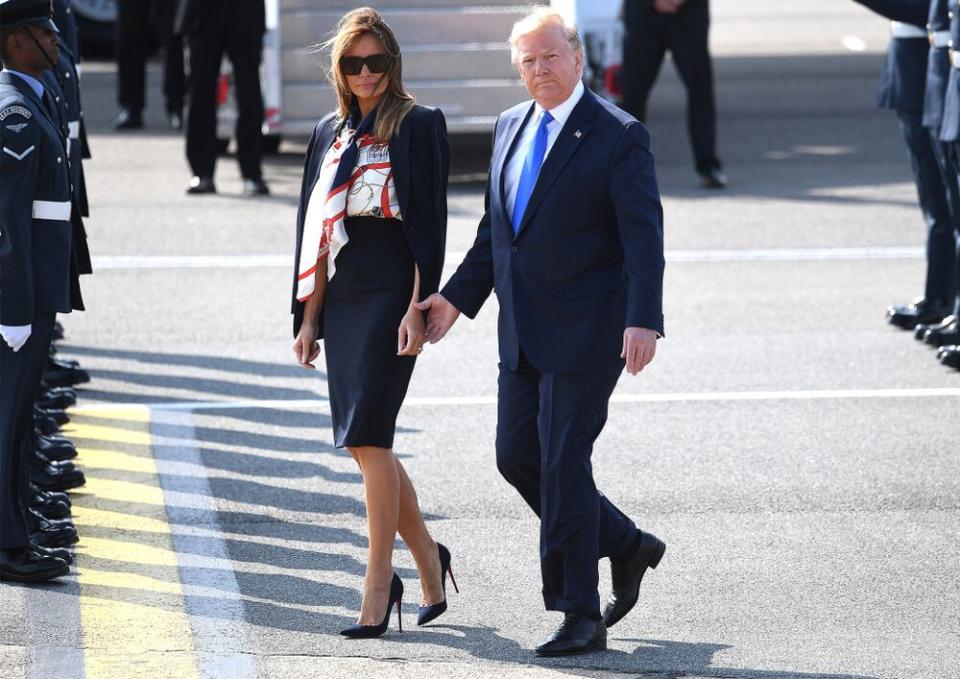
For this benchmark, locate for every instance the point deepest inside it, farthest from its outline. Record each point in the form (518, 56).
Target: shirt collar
(34, 84)
(562, 111)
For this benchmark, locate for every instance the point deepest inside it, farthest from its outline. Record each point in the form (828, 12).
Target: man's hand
(667, 6)
(16, 335)
(305, 347)
(639, 347)
(441, 315)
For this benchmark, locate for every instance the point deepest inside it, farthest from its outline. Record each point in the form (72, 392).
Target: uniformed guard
(903, 85)
(35, 251)
(947, 336)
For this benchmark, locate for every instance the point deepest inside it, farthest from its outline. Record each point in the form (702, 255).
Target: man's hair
(541, 17)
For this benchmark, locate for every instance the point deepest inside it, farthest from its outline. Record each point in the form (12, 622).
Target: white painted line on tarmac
(203, 558)
(123, 262)
(323, 406)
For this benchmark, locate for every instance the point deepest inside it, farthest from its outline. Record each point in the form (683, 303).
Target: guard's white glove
(16, 335)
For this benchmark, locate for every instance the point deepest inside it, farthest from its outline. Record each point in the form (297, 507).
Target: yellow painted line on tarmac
(132, 611)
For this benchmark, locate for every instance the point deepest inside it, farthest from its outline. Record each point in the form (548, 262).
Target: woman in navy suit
(371, 230)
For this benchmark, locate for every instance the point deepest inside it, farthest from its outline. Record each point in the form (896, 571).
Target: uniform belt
(898, 29)
(955, 58)
(56, 211)
(74, 125)
(939, 38)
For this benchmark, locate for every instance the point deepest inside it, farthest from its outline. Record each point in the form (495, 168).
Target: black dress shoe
(51, 509)
(50, 494)
(714, 179)
(50, 533)
(920, 311)
(626, 575)
(201, 185)
(255, 187)
(58, 415)
(54, 552)
(53, 477)
(62, 374)
(56, 397)
(945, 332)
(577, 634)
(56, 448)
(26, 565)
(128, 120)
(44, 424)
(950, 355)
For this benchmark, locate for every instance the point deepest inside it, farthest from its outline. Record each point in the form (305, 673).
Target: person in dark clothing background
(681, 26)
(136, 21)
(211, 28)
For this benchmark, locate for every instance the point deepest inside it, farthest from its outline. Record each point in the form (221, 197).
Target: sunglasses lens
(351, 65)
(378, 63)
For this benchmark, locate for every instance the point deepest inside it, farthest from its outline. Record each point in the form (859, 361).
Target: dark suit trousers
(243, 45)
(647, 38)
(134, 18)
(941, 282)
(546, 427)
(20, 375)
(953, 158)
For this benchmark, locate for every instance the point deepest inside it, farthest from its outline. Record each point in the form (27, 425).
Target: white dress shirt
(514, 167)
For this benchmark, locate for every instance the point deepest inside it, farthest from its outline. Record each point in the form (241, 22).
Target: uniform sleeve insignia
(16, 128)
(19, 156)
(15, 110)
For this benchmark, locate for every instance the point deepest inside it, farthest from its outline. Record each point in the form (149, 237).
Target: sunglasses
(376, 63)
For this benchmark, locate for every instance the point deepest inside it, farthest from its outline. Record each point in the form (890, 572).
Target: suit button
(514, 248)
(59, 159)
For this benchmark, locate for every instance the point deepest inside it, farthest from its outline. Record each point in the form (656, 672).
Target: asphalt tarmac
(798, 455)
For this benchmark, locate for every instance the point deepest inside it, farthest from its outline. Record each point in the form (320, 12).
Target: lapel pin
(577, 134)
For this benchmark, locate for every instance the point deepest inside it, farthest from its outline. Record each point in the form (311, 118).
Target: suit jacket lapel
(503, 153)
(571, 136)
(400, 167)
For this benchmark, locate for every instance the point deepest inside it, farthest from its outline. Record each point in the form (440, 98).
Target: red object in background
(223, 89)
(613, 80)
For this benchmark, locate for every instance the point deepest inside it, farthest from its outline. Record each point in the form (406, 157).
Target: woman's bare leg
(414, 532)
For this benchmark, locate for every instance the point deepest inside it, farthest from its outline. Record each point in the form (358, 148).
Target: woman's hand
(411, 333)
(305, 347)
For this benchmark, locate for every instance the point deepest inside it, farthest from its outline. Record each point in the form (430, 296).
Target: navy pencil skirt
(365, 301)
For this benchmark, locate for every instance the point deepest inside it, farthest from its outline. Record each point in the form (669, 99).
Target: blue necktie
(531, 168)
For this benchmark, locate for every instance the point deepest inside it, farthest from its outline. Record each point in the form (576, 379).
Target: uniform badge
(15, 110)
(16, 128)
(577, 134)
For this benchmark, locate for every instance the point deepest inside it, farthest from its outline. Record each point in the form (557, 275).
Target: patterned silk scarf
(324, 232)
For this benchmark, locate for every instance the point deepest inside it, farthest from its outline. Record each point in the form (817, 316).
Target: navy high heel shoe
(369, 631)
(433, 611)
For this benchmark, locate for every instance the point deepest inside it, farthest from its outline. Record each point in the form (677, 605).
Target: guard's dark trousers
(242, 41)
(941, 283)
(20, 375)
(647, 38)
(546, 427)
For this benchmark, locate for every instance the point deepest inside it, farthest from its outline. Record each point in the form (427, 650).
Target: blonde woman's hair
(538, 18)
(397, 101)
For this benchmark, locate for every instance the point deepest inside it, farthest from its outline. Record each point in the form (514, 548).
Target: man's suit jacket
(420, 164)
(196, 15)
(587, 261)
(905, 68)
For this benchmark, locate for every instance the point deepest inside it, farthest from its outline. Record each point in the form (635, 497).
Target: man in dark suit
(902, 89)
(651, 27)
(137, 22)
(35, 272)
(572, 243)
(213, 27)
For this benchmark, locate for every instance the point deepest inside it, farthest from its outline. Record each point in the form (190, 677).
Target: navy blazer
(938, 67)
(587, 261)
(420, 163)
(904, 72)
(35, 271)
(195, 15)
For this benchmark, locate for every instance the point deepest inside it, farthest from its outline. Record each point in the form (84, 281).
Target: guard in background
(651, 27)
(902, 89)
(135, 18)
(213, 27)
(947, 335)
(35, 280)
